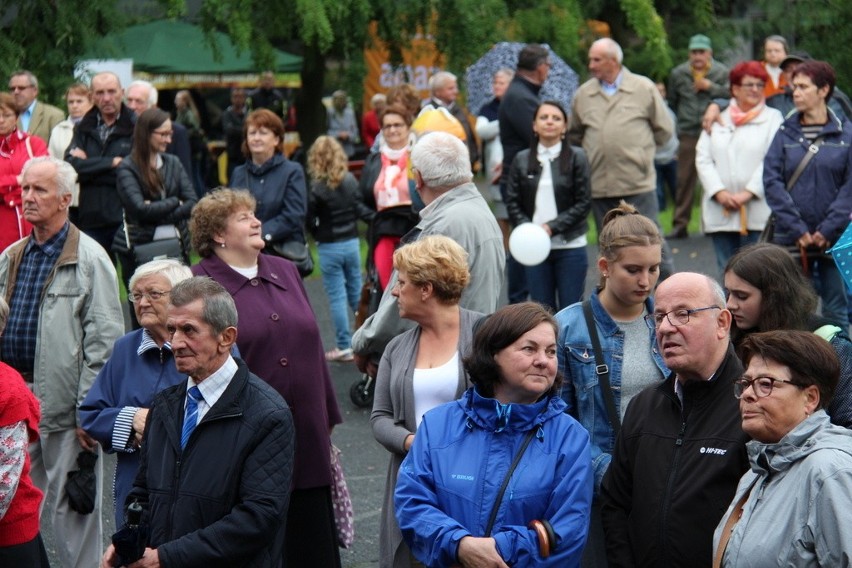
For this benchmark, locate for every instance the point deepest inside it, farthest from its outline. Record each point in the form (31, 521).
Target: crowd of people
(668, 418)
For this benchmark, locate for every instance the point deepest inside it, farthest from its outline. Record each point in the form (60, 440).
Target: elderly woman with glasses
(116, 407)
(729, 160)
(789, 510)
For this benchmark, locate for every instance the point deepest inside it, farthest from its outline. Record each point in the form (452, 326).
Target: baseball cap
(700, 41)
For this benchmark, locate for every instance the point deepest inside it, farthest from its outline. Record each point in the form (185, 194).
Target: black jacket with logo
(674, 472)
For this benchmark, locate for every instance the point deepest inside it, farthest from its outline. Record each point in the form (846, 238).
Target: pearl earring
(222, 245)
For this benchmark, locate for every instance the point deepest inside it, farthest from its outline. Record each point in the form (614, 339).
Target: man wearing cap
(692, 85)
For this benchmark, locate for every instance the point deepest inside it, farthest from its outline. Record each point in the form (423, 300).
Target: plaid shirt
(19, 339)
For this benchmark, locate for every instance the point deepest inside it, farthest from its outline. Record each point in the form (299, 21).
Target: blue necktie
(190, 418)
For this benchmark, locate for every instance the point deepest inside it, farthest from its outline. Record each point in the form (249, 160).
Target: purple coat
(279, 340)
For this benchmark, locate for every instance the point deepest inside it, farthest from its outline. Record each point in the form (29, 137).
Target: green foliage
(559, 24)
(47, 38)
(819, 27)
(648, 25)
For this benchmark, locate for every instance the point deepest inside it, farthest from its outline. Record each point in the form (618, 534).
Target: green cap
(700, 41)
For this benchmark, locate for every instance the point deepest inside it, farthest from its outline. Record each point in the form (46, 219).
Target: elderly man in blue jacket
(217, 452)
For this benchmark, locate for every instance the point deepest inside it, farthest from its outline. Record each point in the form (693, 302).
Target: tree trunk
(310, 111)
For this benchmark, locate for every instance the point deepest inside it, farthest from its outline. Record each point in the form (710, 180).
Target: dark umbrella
(561, 84)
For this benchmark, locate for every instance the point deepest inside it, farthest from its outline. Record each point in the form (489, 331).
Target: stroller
(392, 221)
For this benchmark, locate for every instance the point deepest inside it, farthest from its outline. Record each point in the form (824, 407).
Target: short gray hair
(612, 48)
(28, 74)
(4, 314)
(153, 95)
(437, 80)
(218, 311)
(717, 291)
(66, 176)
(506, 72)
(173, 270)
(442, 160)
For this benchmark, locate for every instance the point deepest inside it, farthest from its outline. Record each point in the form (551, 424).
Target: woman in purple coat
(279, 339)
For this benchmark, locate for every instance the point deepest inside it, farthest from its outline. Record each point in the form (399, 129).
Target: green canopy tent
(174, 54)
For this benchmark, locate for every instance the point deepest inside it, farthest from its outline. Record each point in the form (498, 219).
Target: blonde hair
(623, 227)
(435, 260)
(327, 162)
(210, 216)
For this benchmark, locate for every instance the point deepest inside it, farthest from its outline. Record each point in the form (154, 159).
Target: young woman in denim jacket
(630, 255)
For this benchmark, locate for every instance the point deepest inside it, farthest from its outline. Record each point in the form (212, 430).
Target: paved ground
(364, 460)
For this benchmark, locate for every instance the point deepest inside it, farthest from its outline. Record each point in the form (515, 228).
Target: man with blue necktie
(217, 451)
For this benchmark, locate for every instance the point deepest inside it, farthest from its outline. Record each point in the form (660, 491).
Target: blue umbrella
(841, 252)
(561, 84)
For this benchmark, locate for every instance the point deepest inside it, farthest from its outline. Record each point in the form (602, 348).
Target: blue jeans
(727, 243)
(563, 273)
(666, 177)
(829, 284)
(340, 264)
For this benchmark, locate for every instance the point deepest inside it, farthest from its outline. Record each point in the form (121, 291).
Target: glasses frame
(152, 296)
(742, 384)
(651, 319)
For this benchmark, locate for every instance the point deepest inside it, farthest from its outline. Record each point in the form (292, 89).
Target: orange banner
(420, 61)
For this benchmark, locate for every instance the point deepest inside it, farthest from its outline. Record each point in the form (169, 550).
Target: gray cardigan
(393, 419)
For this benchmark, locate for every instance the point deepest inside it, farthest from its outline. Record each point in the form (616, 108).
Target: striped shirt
(19, 339)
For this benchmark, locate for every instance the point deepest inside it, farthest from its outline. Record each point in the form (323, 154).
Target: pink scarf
(740, 117)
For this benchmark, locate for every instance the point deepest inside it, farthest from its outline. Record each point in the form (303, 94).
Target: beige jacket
(620, 134)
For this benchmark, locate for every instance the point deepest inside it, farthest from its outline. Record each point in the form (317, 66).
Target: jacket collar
(792, 128)
(603, 318)
(260, 170)
(233, 281)
(490, 415)
(123, 125)
(227, 406)
(812, 434)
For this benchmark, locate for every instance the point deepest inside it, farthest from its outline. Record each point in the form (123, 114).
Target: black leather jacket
(573, 194)
(333, 213)
(144, 214)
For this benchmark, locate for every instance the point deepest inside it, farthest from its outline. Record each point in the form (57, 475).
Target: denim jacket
(580, 389)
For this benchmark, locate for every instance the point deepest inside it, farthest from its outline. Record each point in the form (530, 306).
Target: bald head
(693, 336)
(605, 57)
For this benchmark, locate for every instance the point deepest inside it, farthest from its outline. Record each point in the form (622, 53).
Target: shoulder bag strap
(29, 146)
(493, 516)
(601, 368)
(728, 529)
(813, 149)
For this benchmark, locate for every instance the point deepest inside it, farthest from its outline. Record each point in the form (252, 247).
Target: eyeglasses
(153, 296)
(761, 386)
(163, 133)
(19, 88)
(675, 317)
(753, 86)
(393, 125)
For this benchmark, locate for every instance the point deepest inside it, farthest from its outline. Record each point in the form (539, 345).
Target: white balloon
(529, 244)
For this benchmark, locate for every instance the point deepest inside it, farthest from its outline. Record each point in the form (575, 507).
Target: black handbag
(155, 250)
(296, 252)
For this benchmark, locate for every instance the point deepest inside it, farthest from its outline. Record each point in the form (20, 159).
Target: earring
(606, 274)
(222, 245)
